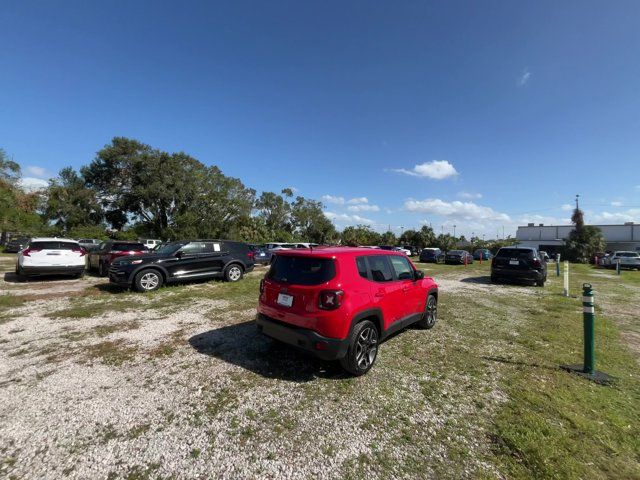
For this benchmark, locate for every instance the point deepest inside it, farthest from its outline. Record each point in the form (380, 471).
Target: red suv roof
(337, 251)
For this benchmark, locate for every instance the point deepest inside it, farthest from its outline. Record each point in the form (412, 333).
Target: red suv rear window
(302, 270)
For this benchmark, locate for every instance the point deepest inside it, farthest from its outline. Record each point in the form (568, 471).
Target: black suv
(519, 263)
(183, 260)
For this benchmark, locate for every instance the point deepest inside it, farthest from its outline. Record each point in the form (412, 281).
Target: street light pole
(454, 231)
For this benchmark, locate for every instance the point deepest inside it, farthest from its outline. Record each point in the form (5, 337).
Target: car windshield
(515, 253)
(126, 247)
(302, 270)
(53, 245)
(168, 248)
(628, 254)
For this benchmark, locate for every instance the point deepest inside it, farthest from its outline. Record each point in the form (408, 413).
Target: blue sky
(482, 115)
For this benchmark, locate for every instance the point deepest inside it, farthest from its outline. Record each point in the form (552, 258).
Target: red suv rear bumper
(322, 347)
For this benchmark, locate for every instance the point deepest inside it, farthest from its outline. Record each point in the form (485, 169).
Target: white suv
(51, 256)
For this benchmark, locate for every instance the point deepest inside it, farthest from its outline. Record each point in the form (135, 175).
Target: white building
(551, 238)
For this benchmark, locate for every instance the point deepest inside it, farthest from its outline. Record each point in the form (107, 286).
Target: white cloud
(524, 78)
(31, 184)
(363, 208)
(347, 219)
(630, 215)
(332, 199)
(436, 169)
(566, 207)
(470, 195)
(616, 204)
(341, 200)
(455, 209)
(36, 171)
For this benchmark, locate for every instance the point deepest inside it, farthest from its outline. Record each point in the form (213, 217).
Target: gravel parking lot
(100, 383)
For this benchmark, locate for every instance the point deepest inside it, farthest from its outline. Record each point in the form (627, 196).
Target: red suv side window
(380, 268)
(401, 266)
(363, 270)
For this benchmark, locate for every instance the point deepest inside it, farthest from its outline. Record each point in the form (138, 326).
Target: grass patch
(104, 330)
(113, 353)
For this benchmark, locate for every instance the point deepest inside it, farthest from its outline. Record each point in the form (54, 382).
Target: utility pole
(454, 231)
(577, 205)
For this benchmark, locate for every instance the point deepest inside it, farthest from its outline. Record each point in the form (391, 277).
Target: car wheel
(148, 280)
(540, 283)
(363, 349)
(79, 275)
(430, 316)
(233, 273)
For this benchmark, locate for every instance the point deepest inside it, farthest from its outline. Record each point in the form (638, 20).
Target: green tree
(70, 204)
(360, 235)
(18, 209)
(169, 194)
(388, 238)
(309, 222)
(445, 242)
(584, 240)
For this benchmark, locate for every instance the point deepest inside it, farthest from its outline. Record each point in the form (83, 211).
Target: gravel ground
(153, 391)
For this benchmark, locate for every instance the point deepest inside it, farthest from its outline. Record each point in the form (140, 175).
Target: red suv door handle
(380, 293)
(405, 288)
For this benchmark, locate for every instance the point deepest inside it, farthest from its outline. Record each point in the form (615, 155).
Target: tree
(70, 204)
(275, 210)
(309, 222)
(584, 240)
(445, 242)
(360, 235)
(388, 238)
(17, 208)
(170, 194)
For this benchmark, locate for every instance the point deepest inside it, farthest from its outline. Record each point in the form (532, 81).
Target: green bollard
(588, 321)
(588, 367)
(618, 266)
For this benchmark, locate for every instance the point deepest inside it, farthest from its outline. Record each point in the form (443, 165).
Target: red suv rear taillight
(330, 299)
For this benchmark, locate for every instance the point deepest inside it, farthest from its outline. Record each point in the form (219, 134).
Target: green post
(588, 319)
(618, 266)
(588, 367)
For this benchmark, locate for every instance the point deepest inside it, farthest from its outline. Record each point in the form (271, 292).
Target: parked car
(340, 303)
(261, 254)
(51, 256)
(412, 249)
(407, 252)
(433, 255)
(519, 263)
(150, 243)
(458, 257)
(544, 255)
(182, 261)
(101, 258)
(89, 244)
(16, 244)
(482, 254)
(627, 259)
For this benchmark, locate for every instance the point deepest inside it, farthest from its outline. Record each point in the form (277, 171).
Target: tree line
(132, 190)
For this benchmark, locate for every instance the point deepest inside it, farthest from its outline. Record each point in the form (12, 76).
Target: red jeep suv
(339, 303)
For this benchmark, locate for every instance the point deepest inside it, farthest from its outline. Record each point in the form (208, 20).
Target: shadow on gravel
(484, 280)
(519, 363)
(241, 344)
(11, 277)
